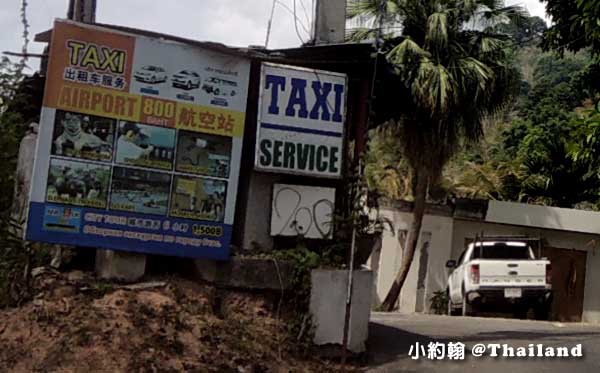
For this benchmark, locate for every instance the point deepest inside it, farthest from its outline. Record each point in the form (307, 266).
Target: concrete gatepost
(120, 265)
(329, 290)
(24, 173)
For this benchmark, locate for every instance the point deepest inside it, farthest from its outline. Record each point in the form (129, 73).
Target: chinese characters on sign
(139, 144)
(456, 351)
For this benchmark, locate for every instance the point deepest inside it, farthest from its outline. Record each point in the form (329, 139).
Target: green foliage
(386, 170)
(18, 106)
(542, 151)
(10, 77)
(525, 32)
(482, 170)
(584, 151)
(297, 297)
(439, 302)
(575, 25)
(12, 129)
(541, 142)
(453, 71)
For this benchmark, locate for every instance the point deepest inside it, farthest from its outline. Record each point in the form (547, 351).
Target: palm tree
(453, 71)
(385, 165)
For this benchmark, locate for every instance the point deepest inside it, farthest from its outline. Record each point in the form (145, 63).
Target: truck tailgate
(521, 273)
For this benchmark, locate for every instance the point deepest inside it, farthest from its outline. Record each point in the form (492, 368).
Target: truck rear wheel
(467, 309)
(520, 312)
(542, 310)
(451, 310)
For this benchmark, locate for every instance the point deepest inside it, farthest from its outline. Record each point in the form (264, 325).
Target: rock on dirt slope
(76, 324)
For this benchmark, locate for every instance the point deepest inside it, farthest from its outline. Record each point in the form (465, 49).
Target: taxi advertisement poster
(139, 144)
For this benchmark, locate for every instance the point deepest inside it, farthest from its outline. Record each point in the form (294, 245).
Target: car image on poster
(139, 144)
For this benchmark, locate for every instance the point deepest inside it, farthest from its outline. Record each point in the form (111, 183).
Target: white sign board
(302, 210)
(301, 121)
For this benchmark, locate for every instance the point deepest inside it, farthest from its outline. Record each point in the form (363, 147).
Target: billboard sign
(139, 144)
(301, 121)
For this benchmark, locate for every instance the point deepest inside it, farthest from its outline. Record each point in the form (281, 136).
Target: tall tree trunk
(411, 246)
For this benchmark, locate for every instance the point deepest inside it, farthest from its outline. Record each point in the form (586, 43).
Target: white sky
(233, 22)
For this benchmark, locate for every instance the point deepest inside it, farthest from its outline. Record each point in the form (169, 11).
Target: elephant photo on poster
(77, 183)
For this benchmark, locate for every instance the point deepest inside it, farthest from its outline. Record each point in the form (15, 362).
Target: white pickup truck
(498, 273)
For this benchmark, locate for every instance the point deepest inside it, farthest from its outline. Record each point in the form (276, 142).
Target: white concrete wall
(390, 258)
(555, 238)
(328, 307)
(545, 217)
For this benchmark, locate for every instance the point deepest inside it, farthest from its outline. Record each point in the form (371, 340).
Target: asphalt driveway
(391, 336)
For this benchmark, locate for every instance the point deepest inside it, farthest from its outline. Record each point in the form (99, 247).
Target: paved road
(392, 334)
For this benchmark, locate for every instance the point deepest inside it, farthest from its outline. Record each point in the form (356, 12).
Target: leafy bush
(20, 100)
(439, 302)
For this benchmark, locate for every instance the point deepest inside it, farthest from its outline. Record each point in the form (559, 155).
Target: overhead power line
(297, 21)
(296, 24)
(270, 23)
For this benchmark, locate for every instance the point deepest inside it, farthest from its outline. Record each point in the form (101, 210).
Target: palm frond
(406, 52)
(473, 71)
(434, 87)
(491, 17)
(437, 30)
(359, 34)
(362, 8)
(492, 44)
(468, 6)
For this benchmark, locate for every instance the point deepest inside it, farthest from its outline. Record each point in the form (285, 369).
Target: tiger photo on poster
(83, 136)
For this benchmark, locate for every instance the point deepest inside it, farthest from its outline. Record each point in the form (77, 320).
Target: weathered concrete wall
(438, 231)
(257, 221)
(388, 258)
(247, 273)
(543, 217)
(330, 22)
(120, 265)
(24, 174)
(328, 307)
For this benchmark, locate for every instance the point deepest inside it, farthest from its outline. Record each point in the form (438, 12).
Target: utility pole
(330, 21)
(82, 11)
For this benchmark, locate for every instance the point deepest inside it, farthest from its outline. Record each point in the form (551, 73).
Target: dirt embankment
(76, 324)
